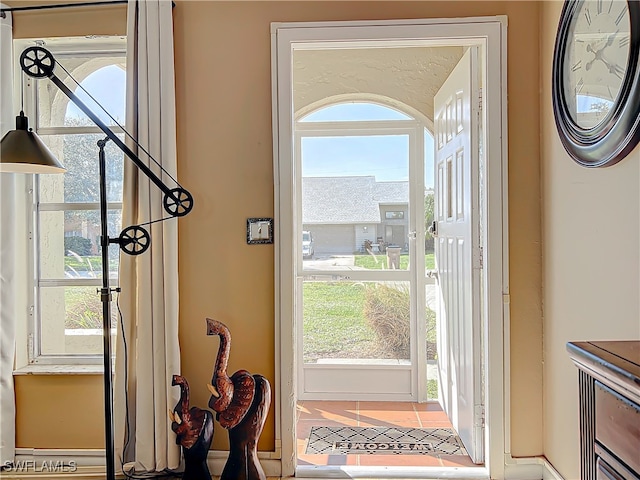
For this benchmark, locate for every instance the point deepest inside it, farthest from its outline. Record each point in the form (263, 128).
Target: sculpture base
(243, 463)
(196, 470)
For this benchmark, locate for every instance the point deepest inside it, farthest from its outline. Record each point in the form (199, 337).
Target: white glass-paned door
(356, 282)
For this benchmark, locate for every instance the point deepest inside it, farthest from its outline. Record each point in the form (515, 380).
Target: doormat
(384, 441)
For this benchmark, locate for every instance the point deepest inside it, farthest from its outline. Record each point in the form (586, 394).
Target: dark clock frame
(617, 135)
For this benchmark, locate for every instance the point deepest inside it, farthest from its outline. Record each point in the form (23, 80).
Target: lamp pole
(105, 298)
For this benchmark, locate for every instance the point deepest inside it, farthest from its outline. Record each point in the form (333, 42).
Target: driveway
(331, 262)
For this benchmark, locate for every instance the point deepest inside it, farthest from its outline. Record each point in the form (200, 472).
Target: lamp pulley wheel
(134, 240)
(178, 202)
(37, 62)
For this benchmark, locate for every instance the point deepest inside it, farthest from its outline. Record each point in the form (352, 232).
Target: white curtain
(149, 300)
(7, 253)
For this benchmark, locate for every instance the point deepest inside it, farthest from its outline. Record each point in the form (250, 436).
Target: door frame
(494, 229)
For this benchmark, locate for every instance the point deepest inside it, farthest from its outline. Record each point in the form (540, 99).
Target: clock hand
(598, 55)
(613, 68)
(608, 43)
(610, 40)
(588, 65)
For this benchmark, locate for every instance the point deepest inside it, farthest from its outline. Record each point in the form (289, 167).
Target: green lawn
(82, 304)
(378, 262)
(92, 262)
(335, 326)
(83, 307)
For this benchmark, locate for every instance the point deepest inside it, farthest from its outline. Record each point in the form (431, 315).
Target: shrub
(79, 245)
(387, 310)
(84, 309)
(432, 349)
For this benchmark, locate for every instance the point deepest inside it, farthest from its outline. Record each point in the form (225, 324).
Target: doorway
(316, 195)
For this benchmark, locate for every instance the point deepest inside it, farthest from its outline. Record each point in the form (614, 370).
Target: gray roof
(348, 200)
(392, 192)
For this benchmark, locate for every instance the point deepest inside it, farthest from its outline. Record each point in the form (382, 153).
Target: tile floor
(369, 414)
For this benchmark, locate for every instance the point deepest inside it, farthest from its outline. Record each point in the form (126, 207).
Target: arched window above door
(354, 111)
(338, 120)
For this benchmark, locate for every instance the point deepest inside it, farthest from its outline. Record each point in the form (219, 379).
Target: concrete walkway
(331, 262)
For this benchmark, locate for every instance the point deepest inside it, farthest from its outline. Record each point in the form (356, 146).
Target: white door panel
(457, 245)
(336, 382)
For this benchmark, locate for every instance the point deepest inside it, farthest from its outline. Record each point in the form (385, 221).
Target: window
(65, 232)
(395, 215)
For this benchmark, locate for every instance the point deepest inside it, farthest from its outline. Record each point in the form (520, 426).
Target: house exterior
(344, 212)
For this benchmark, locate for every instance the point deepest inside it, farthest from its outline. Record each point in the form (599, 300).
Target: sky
(386, 157)
(107, 86)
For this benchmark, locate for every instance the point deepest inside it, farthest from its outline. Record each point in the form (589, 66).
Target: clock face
(595, 59)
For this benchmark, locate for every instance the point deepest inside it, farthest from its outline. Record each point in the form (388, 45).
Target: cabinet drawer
(605, 472)
(618, 426)
(608, 467)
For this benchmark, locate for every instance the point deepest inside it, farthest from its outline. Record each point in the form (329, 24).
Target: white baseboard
(550, 473)
(26, 458)
(529, 468)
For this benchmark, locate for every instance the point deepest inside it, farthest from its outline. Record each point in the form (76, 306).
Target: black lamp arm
(38, 62)
(109, 133)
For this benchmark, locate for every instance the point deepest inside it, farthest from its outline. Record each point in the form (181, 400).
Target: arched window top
(354, 111)
(107, 86)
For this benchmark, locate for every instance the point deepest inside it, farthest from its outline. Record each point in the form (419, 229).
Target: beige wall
(59, 411)
(223, 81)
(591, 262)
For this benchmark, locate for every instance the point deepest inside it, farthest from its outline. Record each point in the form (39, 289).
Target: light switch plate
(259, 230)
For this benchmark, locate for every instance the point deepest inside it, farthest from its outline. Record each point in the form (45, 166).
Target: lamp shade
(22, 151)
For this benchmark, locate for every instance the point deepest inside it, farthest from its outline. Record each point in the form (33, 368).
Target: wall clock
(596, 80)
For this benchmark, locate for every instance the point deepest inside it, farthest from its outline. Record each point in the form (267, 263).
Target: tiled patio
(373, 414)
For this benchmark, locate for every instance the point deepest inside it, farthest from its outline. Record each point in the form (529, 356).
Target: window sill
(59, 370)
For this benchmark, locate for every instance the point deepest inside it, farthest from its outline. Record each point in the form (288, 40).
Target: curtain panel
(7, 253)
(147, 351)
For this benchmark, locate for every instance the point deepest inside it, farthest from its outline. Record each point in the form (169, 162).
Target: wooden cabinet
(609, 382)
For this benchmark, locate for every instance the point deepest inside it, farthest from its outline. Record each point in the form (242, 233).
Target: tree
(78, 245)
(82, 181)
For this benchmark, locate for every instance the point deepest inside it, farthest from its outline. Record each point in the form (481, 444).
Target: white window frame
(32, 355)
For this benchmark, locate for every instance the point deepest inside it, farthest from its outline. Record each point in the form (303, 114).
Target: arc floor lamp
(21, 151)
